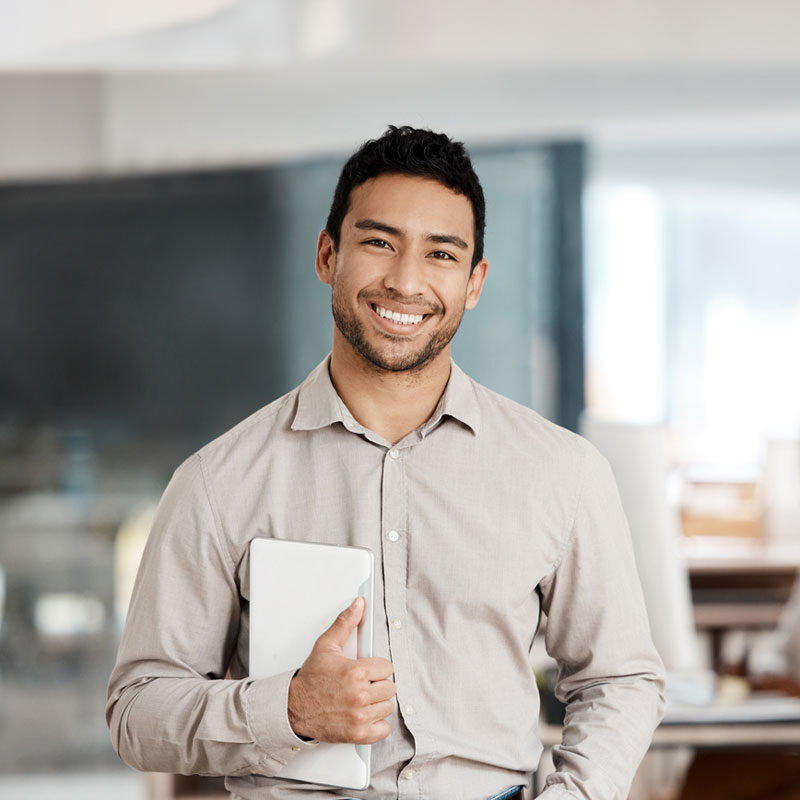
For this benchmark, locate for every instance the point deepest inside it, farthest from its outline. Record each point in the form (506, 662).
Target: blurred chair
(2, 609)
(782, 499)
(129, 546)
(2, 596)
(637, 457)
(782, 490)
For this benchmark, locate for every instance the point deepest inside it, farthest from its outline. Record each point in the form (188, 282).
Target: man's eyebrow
(374, 225)
(440, 238)
(447, 238)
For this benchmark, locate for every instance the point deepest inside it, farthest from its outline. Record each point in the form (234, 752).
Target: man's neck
(392, 404)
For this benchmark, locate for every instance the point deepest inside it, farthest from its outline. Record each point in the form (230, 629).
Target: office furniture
(712, 735)
(637, 456)
(738, 584)
(761, 736)
(165, 786)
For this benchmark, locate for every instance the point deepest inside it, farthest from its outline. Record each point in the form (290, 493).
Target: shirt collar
(458, 401)
(318, 404)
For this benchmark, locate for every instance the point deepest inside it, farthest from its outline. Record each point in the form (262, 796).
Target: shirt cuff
(266, 707)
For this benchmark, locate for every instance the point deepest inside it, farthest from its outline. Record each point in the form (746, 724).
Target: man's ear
(475, 283)
(326, 257)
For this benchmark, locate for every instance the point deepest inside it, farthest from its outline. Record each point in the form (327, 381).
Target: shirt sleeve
(610, 674)
(170, 707)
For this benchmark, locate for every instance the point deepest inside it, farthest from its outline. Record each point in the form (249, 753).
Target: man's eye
(441, 254)
(378, 242)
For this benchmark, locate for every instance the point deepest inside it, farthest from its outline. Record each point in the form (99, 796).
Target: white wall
(225, 83)
(50, 125)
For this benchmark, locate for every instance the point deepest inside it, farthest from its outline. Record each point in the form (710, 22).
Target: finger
(338, 633)
(378, 730)
(377, 669)
(378, 711)
(381, 690)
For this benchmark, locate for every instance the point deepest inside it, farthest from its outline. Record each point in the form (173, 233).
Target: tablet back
(297, 589)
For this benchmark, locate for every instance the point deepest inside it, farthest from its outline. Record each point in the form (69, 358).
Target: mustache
(424, 306)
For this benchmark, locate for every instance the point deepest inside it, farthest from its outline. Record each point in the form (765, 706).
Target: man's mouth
(394, 316)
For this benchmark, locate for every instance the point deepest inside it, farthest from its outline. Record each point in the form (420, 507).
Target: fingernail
(354, 604)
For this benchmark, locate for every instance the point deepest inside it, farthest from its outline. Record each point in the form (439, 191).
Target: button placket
(394, 555)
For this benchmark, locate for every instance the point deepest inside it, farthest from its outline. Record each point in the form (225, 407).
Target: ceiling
(282, 34)
(112, 86)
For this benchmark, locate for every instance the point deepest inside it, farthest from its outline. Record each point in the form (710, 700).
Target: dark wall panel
(142, 304)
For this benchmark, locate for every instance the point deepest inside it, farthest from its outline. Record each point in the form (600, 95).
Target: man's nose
(406, 275)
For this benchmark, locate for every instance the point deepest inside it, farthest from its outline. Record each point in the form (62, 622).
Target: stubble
(383, 358)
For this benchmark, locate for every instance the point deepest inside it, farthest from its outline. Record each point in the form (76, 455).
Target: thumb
(338, 633)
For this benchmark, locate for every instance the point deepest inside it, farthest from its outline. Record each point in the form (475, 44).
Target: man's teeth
(403, 319)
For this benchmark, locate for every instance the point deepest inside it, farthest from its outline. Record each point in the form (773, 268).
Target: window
(693, 302)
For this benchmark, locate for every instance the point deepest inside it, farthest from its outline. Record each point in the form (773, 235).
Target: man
(480, 514)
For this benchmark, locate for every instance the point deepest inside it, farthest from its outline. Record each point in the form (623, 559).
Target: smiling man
(481, 516)
(407, 305)
(401, 275)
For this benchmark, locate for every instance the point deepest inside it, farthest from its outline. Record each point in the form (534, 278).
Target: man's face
(401, 277)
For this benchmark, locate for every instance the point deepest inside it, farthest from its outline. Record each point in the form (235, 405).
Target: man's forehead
(409, 200)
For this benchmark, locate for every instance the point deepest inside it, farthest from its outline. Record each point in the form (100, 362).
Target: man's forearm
(611, 675)
(208, 727)
(607, 730)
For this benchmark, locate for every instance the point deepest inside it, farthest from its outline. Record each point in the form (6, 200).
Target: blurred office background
(165, 168)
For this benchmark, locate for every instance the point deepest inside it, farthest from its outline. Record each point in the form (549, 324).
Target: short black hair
(410, 151)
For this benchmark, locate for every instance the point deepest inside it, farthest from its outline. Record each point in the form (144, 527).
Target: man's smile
(403, 319)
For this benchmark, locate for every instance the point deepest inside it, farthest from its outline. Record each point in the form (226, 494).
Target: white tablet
(297, 589)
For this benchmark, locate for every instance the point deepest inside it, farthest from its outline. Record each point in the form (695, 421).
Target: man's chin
(405, 362)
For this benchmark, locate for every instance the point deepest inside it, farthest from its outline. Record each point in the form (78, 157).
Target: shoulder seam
(215, 516)
(571, 528)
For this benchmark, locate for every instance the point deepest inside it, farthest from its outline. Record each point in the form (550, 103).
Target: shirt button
(394, 453)
(393, 536)
(409, 774)
(408, 710)
(398, 623)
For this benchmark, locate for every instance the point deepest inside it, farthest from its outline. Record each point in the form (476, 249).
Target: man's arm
(610, 675)
(169, 707)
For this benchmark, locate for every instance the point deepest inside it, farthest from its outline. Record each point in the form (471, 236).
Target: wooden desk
(758, 736)
(164, 786)
(717, 557)
(738, 583)
(781, 736)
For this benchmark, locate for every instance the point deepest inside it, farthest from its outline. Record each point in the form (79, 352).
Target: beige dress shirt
(480, 520)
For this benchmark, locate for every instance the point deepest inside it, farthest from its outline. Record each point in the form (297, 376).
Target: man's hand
(338, 699)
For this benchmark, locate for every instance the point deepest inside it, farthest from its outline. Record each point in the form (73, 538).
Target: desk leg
(716, 635)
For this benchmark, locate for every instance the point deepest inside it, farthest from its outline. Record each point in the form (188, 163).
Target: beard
(406, 360)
